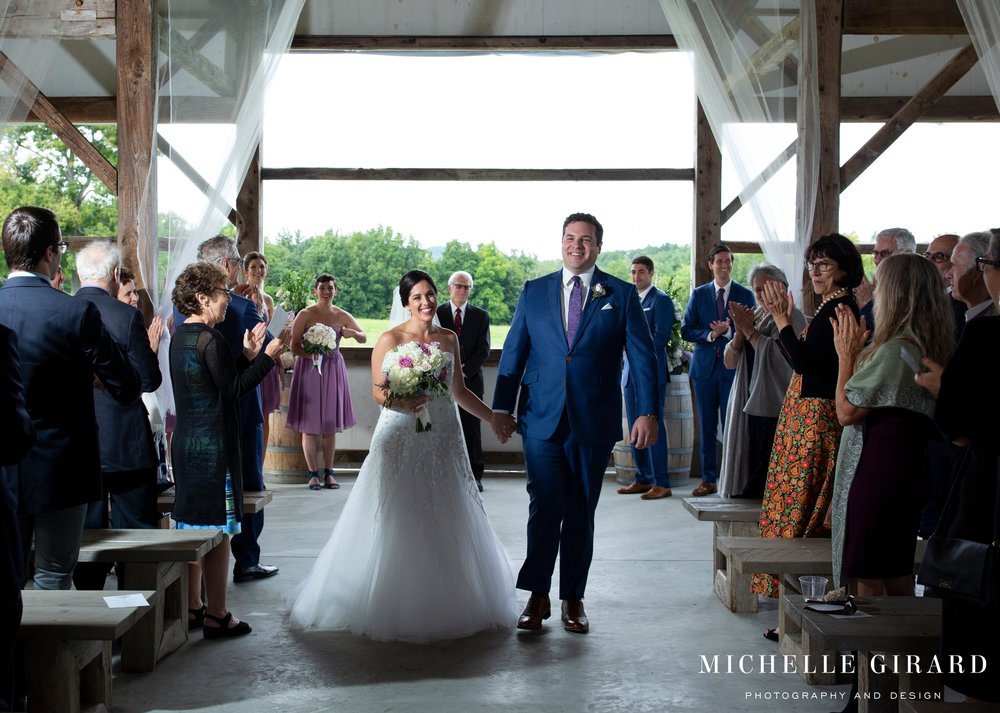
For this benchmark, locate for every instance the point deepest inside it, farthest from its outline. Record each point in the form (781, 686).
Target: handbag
(958, 569)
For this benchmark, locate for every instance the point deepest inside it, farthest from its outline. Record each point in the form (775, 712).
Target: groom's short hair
(586, 218)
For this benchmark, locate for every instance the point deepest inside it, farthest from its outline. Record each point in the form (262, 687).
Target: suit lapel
(590, 306)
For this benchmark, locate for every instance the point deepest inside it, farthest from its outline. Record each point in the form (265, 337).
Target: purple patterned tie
(575, 307)
(720, 303)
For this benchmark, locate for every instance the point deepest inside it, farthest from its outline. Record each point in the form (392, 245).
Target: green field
(375, 327)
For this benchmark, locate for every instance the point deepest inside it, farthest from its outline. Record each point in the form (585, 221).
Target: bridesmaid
(255, 268)
(319, 405)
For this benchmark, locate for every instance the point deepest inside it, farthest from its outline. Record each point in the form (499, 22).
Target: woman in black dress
(207, 384)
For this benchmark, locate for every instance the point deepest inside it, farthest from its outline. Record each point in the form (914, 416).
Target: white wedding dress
(413, 556)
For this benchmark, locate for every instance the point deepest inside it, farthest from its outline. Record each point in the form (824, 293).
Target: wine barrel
(624, 464)
(678, 420)
(284, 461)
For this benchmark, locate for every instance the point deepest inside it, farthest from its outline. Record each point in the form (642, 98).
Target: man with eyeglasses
(939, 252)
(966, 279)
(242, 315)
(472, 325)
(891, 241)
(63, 346)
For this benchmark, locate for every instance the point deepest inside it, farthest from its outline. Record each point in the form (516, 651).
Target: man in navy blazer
(63, 346)
(472, 326)
(561, 365)
(129, 463)
(241, 316)
(706, 325)
(652, 478)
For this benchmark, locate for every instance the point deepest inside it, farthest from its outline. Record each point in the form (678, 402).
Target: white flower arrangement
(415, 369)
(319, 340)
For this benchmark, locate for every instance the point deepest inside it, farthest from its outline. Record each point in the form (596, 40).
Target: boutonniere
(598, 291)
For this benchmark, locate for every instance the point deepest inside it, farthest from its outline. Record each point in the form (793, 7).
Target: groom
(564, 354)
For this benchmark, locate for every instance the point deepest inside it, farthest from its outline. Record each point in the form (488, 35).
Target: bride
(413, 556)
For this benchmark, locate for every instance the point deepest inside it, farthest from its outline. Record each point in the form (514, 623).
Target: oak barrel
(678, 420)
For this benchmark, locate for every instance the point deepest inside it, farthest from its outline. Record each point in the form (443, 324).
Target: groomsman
(472, 325)
(561, 366)
(706, 325)
(651, 476)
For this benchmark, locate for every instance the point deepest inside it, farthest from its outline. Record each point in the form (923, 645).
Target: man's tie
(458, 321)
(720, 303)
(575, 307)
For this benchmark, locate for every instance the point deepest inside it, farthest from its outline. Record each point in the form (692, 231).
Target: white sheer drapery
(748, 57)
(982, 17)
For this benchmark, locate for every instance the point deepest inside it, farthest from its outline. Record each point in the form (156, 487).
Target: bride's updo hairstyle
(413, 277)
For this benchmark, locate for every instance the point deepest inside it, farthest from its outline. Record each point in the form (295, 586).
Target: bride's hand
(410, 404)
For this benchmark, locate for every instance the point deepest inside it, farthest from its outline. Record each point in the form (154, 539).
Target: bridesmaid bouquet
(415, 369)
(319, 340)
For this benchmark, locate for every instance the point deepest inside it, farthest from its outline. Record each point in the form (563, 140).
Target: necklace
(839, 293)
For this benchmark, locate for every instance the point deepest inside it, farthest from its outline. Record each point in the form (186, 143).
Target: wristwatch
(650, 416)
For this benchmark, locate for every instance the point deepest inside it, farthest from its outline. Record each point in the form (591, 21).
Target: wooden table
(729, 518)
(67, 636)
(153, 559)
(898, 625)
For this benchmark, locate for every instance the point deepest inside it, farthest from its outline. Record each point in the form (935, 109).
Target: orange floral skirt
(800, 473)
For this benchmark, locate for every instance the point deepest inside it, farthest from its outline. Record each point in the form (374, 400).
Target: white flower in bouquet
(415, 369)
(319, 340)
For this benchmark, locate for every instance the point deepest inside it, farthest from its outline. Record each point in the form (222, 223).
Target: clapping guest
(255, 268)
(208, 383)
(762, 377)
(319, 403)
(882, 478)
(803, 458)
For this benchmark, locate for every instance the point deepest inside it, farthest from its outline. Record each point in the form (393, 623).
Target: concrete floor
(650, 603)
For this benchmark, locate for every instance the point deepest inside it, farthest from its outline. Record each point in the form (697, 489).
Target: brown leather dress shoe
(704, 489)
(657, 492)
(635, 488)
(535, 611)
(574, 618)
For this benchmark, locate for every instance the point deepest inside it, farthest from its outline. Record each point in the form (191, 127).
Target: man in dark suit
(241, 316)
(63, 346)
(939, 252)
(19, 437)
(128, 456)
(472, 325)
(561, 365)
(706, 325)
(651, 476)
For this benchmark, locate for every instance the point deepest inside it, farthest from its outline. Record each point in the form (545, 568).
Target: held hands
(930, 379)
(644, 432)
(863, 293)
(503, 425)
(719, 327)
(279, 344)
(778, 302)
(253, 340)
(155, 333)
(244, 290)
(742, 318)
(849, 336)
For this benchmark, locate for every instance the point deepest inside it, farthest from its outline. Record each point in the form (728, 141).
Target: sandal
(327, 477)
(224, 630)
(771, 634)
(313, 475)
(196, 618)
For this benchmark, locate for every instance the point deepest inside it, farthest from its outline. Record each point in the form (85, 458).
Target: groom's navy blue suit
(569, 414)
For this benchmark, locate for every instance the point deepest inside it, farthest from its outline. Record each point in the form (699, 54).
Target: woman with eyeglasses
(968, 394)
(208, 383)
(804, 454)
(319, 402)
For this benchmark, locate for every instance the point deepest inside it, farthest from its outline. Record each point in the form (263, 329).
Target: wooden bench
(67, 638)
(253, 502)
(787, 559)
(153, 560)
(898, 626)
(729, 518)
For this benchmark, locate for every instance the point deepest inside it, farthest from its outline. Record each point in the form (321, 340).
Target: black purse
(963, 570)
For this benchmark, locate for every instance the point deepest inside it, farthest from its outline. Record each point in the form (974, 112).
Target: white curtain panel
(28, 60)
(982, 17)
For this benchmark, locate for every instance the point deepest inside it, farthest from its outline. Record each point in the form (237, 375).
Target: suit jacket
(19, 437)
(582, 379)
(62, 345)
(126, 439)
(474, 341)
(700, 313)
(658, 309)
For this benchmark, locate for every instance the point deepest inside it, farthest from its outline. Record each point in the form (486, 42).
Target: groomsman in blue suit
(561, 366)
(706, 325)
(652, 478)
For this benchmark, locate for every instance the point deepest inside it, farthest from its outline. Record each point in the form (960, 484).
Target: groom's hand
(644, 432)
(503, 425)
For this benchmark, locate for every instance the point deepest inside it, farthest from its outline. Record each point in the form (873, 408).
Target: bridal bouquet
(319, 340)
(415, 369)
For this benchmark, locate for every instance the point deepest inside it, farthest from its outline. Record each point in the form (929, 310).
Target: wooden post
(248, 209)
(707, 200)
(826, 218)
(136, 64)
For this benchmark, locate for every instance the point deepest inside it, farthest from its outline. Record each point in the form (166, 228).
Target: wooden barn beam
(249, 214)
(758, 32)
(191, 173)
(930, 93)
(707, 199)
(320, 173)
(198, 65)
(344, 43)
(903, 17)
(59, 124)
(758, 181)
(770, 55)
(78, 19)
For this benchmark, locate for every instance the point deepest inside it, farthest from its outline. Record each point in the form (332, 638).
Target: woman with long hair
(255, 268)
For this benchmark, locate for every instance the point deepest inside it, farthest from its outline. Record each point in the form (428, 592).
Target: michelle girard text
(878, 663)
